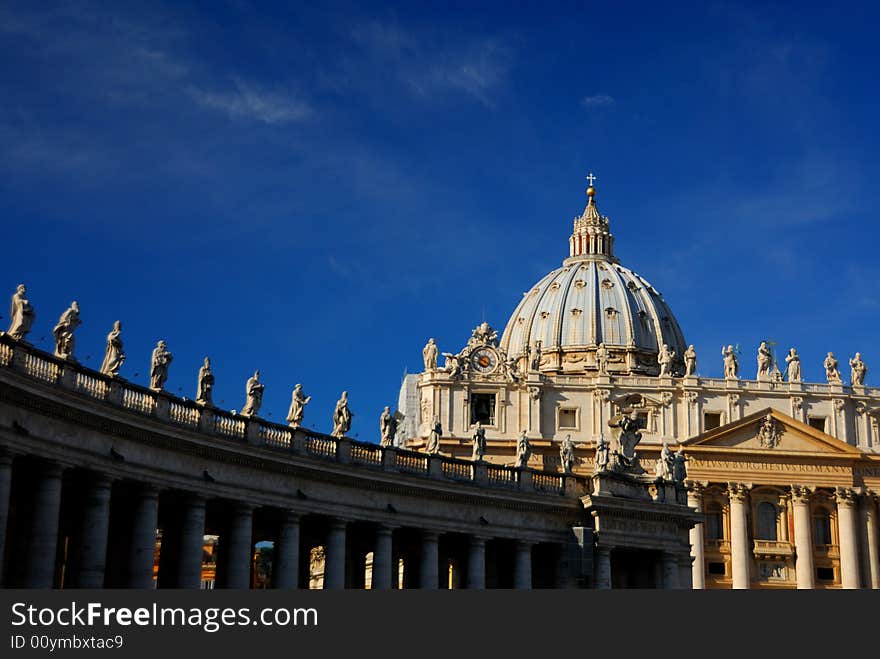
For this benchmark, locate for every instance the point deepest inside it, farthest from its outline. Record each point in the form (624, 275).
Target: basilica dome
(593, 300)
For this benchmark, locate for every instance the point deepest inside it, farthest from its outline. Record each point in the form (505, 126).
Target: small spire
(591, 235)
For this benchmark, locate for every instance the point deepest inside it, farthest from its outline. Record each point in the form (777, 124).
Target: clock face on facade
(484, 360)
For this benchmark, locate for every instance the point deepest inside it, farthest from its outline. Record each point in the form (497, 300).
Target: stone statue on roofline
(479, 442)
(602, 359)
(831, 372)
(859, 370)
(429, 355)
(114, 357)
(663, 468)
(298, 402)
(566, 454)
(603, 454)
(21, 314)
(159, 362)
(731, 363)
(205, 384)
(523, 451)
(793, 367)
(690, 361)
(433, 445)
(679, 466)
(666, 359)
(625, 457)
(342, 416)
(253, 395)
(63, 331)
(765, 361)
(387, 427)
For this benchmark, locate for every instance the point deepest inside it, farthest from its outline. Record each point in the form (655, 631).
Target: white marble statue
(479, 439)
(159, 362)
(298, 402)
(665, 358)
(433, 445)
(679, 466)
(663, 468)
(387, 427)
(765, 361)
(429, 355)
(690, 361)
(205, 384)
(452, 365)
(731, 363)
(21, 314)
(341, 416)
(63, 331)
(859, 370)
(603, 454)
(831, 372)
(535, 360)
(602, 359)
(114, 357)
(523, 451)
(794, 366)
(253, 395)
(566, 454)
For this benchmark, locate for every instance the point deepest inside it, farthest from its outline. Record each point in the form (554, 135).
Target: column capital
(430, 535)
(738, 491)
(845, 496)
(696, 488)
(800, 494)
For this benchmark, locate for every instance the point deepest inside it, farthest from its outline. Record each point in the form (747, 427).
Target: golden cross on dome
(591, 178)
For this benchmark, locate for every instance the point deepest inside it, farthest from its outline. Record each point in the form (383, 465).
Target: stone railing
(24, 359)
(773, 548)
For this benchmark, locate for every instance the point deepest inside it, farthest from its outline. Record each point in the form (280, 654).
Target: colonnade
(857, 527)
(75, 528)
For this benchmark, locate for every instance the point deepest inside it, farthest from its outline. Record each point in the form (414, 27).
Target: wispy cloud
(429, 66)
(597, 101)
(247, 101)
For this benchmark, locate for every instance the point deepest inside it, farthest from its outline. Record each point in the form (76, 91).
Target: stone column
(382, 558)
(286, 571)
(803, 538)
(670, 571)
(847, 523)
(429, 576)
(92, 550)
(698, 569)
(192, 542)
(239, 547)
(334, 556)
(143, 538)
(476, 574)
(43, 533)
(872, 541)
(5, 484)
(739, 534)
(686, 572)
(602, 568)
(522, 569)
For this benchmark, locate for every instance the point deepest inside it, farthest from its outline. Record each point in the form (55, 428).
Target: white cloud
(249, 102)
(597, 101)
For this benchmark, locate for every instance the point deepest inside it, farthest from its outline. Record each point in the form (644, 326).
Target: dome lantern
(591, 236)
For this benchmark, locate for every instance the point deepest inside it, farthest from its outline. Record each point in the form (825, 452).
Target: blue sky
(314, 191)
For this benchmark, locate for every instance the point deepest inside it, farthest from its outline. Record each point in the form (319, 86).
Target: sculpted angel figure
(731, 363)
(341, 416)
(566, 454)
(253, 395)
(665, 358)
(859, 370)
(387, 427)
(690, 361)
(523, 451)
(205, 384)
(479, 439)
(63, 331)
(429, 355)
(21, 314)
(831, 372)
(298, 402)
(765, 361)
(113, 355)
(433, 445)
(794, 366)
(159, 362)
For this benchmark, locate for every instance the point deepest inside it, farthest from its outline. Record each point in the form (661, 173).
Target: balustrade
(139, 401)
(91, 385)
(412, 462)
(186, 415)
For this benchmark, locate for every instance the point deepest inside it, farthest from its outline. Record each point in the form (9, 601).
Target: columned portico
(286, 572)
(334, 570)
(382, 557)
(239, 546)
(522, 574)
(847, 519)
(429, 576)
(143, 538)
(739, 534)
(43, 534)
(476, 574)
(698, 569)
(872, 540)
(192, 537)
(803, 539)
(92, 550)
(602, 568)
(671, 571)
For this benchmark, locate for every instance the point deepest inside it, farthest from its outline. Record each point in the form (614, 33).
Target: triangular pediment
(771, 430)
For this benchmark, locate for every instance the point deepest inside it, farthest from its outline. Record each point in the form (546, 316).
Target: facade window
(483, 409)
(817, 422)
(716, 569)
(568, 419)
(822, 528)
(714, 523)
(825, 574)
(766, 521)
(711, 420)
